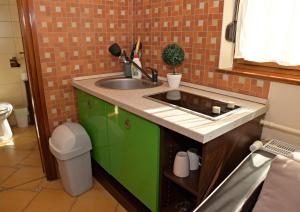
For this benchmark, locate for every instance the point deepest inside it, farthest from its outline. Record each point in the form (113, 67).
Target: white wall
(284, 109)
(11, 87)
(227, 48)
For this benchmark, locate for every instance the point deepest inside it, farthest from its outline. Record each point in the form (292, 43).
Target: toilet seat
(5, 110)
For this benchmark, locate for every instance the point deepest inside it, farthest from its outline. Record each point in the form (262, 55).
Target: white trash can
(21, 115)
(71, 146)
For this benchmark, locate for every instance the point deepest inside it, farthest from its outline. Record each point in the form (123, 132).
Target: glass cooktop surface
(199, 105)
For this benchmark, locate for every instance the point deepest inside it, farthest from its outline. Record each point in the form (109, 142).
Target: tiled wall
(12, 88)
(74, 36)
(73, 40)
(196, 26)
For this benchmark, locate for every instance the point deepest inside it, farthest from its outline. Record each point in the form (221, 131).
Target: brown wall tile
(74, 36)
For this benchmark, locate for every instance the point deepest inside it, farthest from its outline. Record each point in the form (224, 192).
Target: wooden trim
(268, 71)
(30, 42)
(238, 62)
(287, 76)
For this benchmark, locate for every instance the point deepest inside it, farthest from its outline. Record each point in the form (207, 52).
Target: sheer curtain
(269, 31)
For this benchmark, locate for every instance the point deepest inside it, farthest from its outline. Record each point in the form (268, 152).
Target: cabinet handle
(127, 124)
(89, 104)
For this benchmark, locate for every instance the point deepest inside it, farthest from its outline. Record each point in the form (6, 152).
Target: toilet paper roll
(24, 76)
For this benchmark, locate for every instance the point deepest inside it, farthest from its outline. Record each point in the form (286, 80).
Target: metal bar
(280, 127)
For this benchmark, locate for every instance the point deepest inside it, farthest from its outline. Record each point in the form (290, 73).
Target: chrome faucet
(116, 51)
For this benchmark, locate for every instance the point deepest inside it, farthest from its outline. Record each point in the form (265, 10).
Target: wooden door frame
(34, 71)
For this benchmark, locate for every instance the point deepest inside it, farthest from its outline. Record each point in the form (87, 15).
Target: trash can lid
(69, 140)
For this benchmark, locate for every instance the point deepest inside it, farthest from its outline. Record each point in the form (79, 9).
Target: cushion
(281, 189)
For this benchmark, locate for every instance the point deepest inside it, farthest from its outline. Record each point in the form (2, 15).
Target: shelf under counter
(189, 183)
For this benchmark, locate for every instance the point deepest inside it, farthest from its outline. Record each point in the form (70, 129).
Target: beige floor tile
(120, 208)
(6, 144)
(34, 159)
(55, 184)
(11, 157)
(28, 131)
(23, 139)
(11, 201)
(28, 175)
(5, 172)
(24, 142)
(20, 169)
(30, 186)
(95, 200)
(51, 200)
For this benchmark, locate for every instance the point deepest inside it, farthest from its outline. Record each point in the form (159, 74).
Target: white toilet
(5, 130)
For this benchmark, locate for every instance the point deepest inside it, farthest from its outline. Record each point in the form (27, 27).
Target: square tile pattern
(196, 26)
(23, 186)
(73, 40)
(74, 37)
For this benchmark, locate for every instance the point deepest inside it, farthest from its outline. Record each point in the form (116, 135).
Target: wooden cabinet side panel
(223, 154)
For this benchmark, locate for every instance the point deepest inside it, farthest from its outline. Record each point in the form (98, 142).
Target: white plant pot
(174, 80)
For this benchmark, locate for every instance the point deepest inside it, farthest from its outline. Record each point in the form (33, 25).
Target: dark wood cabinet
(218, 158)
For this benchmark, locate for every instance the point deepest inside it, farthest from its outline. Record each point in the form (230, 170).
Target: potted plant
(173, 55)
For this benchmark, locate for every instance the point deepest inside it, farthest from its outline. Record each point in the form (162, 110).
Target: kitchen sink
(122, 83)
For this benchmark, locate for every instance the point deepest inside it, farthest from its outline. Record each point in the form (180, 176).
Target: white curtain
(269, 31)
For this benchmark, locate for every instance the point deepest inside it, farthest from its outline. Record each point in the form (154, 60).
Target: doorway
(23, 60)
(20, 161)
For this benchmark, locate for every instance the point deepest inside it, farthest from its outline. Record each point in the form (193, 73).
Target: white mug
(181, 166)
(194, 158)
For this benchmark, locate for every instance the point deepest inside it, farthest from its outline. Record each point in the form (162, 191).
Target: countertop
(198, 128)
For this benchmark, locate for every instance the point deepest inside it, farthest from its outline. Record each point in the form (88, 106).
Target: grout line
(53, 189)
(19, 163)
(17, 169)
(35, 196)
(73, 203)
(8, 188)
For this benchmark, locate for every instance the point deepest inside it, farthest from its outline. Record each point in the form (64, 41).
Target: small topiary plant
(173, 55)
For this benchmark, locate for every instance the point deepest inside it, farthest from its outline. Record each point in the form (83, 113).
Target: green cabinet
(134, 144)
(92, 117)
(125, 145)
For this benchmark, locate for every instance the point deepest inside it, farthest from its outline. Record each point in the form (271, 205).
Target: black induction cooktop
(196, 104)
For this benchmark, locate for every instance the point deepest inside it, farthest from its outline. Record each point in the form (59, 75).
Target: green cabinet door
(92, 115)
(134, 144)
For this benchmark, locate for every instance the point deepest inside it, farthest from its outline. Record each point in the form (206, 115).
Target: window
(268, 39)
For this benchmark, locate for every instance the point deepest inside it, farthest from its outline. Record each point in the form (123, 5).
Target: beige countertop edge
(200, 137)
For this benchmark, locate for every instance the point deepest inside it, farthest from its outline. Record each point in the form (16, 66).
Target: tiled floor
(23, 186)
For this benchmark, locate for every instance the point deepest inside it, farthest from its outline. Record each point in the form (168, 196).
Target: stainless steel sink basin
(122, 83)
